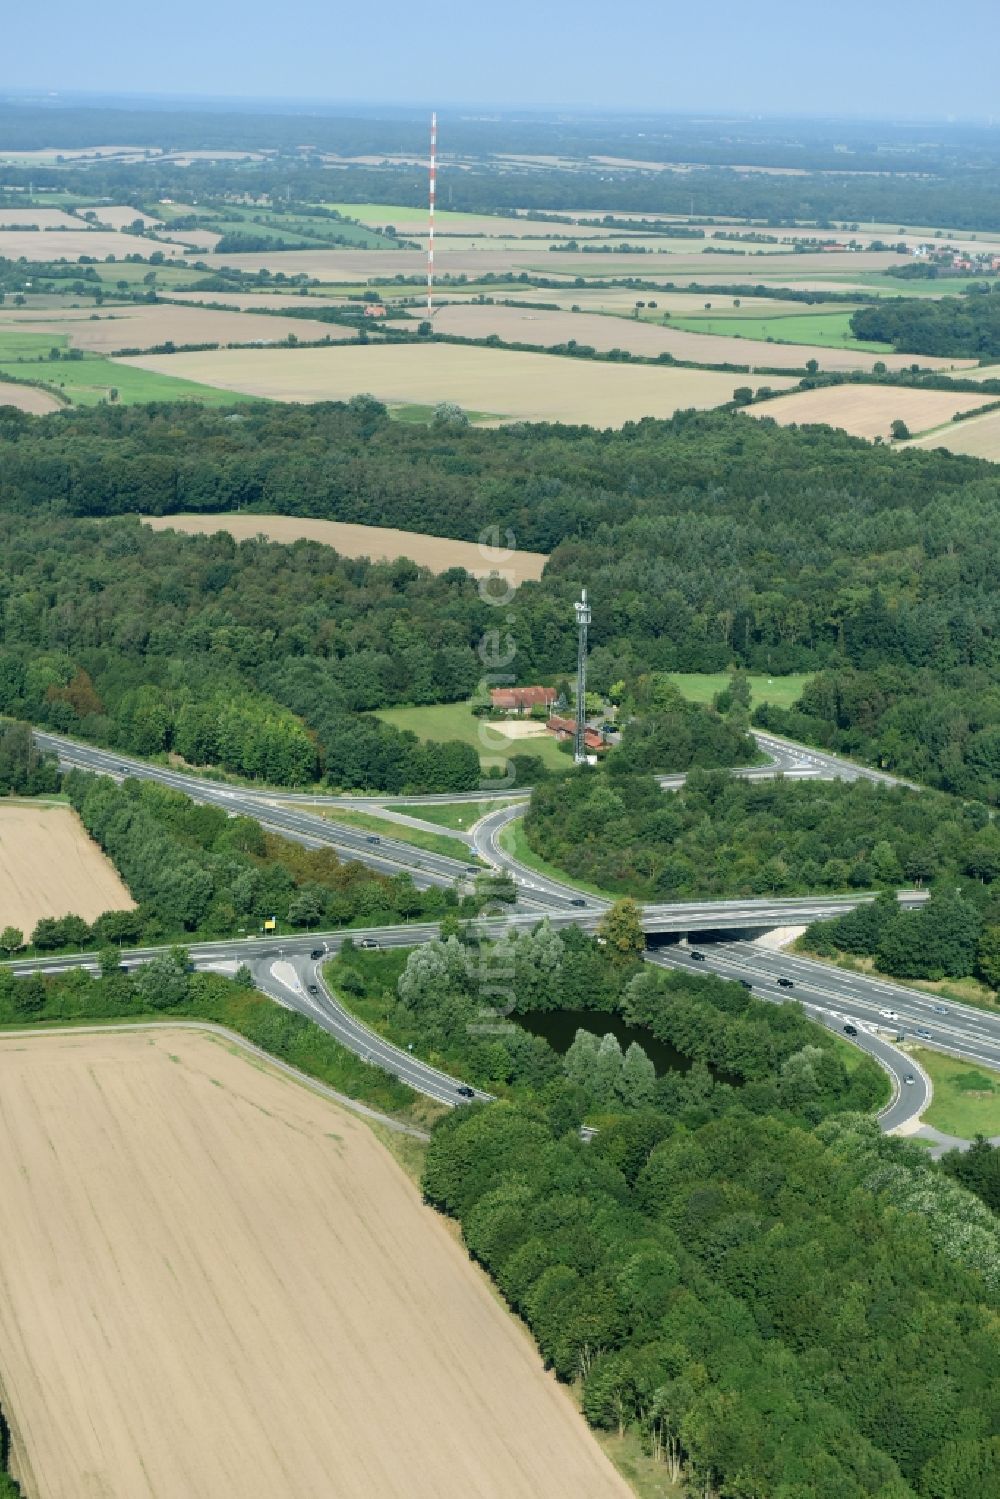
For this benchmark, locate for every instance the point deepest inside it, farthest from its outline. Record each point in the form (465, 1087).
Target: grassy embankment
(461, 815)
(512, 839)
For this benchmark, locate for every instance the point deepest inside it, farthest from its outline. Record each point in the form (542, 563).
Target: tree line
(967, 326)
(957, 934)
(194, 871)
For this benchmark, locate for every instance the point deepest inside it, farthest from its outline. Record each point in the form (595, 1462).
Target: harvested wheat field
(50, 867)
(70, 244)
(42, 218)
(144, 327)
(380, 543)
(530, 325)
(28, 398)
(533, 387)
(979, 437)
(217, 1284)
(869, 410)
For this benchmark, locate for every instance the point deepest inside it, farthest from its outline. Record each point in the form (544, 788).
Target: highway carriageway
(389, 856)
(285, 969)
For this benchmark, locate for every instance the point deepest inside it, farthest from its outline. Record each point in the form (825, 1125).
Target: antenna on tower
(582, 621)
(430, 231)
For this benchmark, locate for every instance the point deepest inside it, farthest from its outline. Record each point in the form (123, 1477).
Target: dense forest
(722, 835)
(937, 724)
(968, 326)
(777, 1310)
(704, 540)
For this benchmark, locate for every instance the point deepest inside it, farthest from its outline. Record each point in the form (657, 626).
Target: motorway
(286, 969)
(836, 997)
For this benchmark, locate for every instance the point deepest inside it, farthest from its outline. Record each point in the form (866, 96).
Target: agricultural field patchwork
(978, 437)
(260, 1300)
(515, 385)
(28, 398)
(132, 326)
(693, 340)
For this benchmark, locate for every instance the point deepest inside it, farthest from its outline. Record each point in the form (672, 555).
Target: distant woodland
(967, 327)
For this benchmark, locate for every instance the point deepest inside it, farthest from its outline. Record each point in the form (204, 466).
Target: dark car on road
(317, 952)
(314, 988)
(745, 983)
(374, 838)
(466, 1091)
(368, 943)
(696, 956)
(784, 983)
(578, 901)
(850, 1030)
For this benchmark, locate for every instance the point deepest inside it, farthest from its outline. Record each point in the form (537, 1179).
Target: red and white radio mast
(430, 234)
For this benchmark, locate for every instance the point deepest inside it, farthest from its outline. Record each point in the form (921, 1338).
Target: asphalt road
(823, 1002)
(836, 997)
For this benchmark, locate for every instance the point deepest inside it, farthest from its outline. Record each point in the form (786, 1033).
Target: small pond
(559, 1028)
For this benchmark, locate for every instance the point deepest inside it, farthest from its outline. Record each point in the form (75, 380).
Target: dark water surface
(559, 1028)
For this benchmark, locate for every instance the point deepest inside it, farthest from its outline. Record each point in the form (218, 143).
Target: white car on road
(888, 1014)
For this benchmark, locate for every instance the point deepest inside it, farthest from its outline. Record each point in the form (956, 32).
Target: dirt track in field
(869, 410)
(50, 867)
(532, 387)
(215, 1284)
(380, 543)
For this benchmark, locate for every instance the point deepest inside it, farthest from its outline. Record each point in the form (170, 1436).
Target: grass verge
(647, 1478)
(434, 843)
(966, 1098)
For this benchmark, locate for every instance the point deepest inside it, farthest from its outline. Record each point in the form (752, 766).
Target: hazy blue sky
(914, 57)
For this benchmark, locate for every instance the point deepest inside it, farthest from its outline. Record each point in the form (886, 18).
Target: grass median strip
(433, 843)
